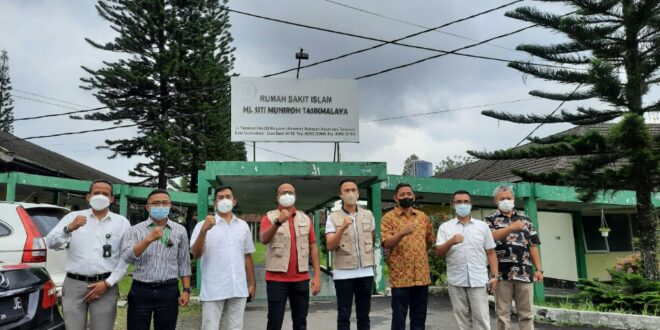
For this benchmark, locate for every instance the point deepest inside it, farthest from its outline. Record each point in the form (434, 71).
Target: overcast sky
(45, 41)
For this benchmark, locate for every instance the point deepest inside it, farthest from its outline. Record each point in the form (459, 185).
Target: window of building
(619, 239)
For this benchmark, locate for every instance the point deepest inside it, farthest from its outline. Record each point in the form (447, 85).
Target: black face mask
(406, 202)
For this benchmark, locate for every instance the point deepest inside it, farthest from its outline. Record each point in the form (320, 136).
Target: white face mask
(463, 210)
(506, 205)
(287, 200)
(225, 205)
(99, 202)
(350, 198)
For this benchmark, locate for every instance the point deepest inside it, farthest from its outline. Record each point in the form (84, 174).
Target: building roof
(500, 170)
(21, 155)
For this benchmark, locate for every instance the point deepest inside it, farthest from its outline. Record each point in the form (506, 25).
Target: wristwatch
(66, 230)
(186, 290)
(277, 222)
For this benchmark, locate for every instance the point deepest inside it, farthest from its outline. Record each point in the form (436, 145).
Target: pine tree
(209, 61)
(612, 54)
(171, 45)
(6, 100)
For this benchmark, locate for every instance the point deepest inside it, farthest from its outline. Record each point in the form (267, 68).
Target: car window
(45, 218)
(4, 230)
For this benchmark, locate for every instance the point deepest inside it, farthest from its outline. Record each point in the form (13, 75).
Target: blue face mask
(159, 212)
(463, 209)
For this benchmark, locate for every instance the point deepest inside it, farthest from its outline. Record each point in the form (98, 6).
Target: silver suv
(23, 230)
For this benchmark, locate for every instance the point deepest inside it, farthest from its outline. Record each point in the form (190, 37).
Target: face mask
(406, 202)
(225, 205)
(287, 200)
(506, 205)
(99, 202)
(159, 212)
(463, 209)
(350, 198)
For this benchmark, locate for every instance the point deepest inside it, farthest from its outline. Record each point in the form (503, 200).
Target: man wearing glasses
(469, 248)
(159, 249)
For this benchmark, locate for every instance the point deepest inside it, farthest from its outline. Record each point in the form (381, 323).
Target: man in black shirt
(517, 252)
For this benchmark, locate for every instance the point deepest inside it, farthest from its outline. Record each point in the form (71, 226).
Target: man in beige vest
(289, 238)
(350, 234)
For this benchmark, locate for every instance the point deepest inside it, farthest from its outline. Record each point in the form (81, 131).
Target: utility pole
(300, 56)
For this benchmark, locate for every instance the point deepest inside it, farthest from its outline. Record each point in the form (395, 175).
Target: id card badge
(107, 251)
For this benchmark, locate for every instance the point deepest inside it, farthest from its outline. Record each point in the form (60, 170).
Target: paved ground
(322, 316)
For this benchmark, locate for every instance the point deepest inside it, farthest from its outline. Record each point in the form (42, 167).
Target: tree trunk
(647, 235)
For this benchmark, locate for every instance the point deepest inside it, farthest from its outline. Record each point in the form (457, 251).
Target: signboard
(294, 110)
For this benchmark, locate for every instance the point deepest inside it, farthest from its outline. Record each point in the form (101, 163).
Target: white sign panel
(294, 110)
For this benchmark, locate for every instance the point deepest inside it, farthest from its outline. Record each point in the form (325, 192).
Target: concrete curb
(598, 319)
(590, 318)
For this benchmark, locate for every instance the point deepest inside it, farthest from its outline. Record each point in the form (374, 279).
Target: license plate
(11, 309)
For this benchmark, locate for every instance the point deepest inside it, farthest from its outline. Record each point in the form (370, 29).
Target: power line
(528, 135)
(447, 53)
(450, 110)
(109, 128)
(59, 114)
(45, 102)
(412, 24)
(383, 43)
(101, 108)
(50, 98)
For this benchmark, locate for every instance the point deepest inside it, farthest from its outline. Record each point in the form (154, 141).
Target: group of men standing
(101, 245)
(496, 255)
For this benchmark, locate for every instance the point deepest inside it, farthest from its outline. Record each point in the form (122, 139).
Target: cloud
(46, 45)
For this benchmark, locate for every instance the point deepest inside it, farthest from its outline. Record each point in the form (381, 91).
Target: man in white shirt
(223, 244)
(94, 236)
(468, 247)
(350, 234)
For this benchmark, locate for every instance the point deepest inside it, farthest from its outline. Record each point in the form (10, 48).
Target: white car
(23, 230)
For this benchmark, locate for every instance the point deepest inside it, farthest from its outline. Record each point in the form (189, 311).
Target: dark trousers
(346, 289)
(416, 299)
(144, 301)
(298, 295)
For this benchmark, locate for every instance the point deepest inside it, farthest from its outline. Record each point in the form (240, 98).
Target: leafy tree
(408, 164)
(6, 100)
(452, 162)
(612, 54)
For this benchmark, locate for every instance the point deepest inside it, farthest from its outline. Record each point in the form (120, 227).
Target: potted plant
(604, 231)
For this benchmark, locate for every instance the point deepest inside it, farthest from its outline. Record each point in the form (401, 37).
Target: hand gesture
(538, 276)
(284, 216)
(78, 222)
(457, 239)
(209, 222)
(96, 290)
(155, 234)
(492, 283)
(251, 290)
(316, 285)
(347, 222)
(184, 298)
(517, 225)
(409, 229)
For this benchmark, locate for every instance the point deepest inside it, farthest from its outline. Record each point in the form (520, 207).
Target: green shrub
(437, 265)
(628, 291)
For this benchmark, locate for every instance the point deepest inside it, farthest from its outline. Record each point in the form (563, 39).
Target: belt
(157, 284)
(85, 278)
